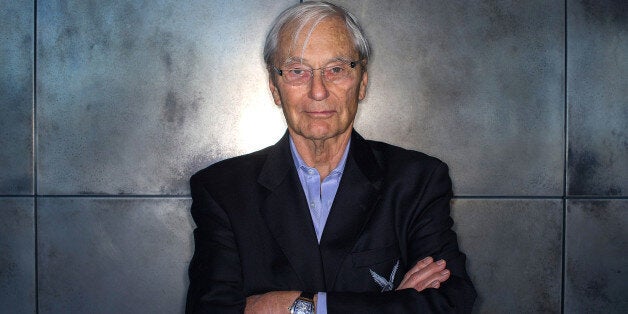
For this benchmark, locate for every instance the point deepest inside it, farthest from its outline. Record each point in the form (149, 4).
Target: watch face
(302, 307)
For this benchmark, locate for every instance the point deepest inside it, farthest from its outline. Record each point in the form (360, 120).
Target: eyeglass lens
(302, 74)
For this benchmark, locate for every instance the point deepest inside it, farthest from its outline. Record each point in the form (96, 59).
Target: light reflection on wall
(261, 124)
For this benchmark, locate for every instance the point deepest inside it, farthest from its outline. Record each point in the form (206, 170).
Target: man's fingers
(429, 276)
(420, 270)
(433, 281)
(418, 266)
(422, 263)
(435, 284)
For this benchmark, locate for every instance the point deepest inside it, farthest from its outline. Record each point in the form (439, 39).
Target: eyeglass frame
(352, 65)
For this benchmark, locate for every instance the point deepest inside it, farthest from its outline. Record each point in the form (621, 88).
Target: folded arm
(428, 237)
(426, 274)
(216, 283)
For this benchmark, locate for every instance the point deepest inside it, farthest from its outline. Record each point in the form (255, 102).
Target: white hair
(311, 13)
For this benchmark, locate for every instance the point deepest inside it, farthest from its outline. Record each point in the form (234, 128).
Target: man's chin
(319, 131)
(321, 136)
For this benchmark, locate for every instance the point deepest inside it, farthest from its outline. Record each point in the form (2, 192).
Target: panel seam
(565, 165)
(34, 156)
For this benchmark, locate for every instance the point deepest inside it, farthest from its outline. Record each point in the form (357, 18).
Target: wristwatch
(304, 304)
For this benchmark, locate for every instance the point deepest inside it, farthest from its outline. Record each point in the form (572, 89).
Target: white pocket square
(386, 285)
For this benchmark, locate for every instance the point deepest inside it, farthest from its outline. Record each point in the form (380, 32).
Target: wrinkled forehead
(296, 37)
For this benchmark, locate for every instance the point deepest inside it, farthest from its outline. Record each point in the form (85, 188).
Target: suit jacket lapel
(288, 218)
(357, 196)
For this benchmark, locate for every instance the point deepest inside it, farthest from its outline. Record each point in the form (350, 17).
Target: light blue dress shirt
(320, 196)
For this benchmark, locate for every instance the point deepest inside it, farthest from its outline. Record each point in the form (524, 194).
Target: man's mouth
(320, 113)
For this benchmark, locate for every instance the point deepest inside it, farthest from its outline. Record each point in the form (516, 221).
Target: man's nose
(318, 90)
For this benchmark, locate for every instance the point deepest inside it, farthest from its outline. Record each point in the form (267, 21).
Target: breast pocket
(378, 268)
(376, 256)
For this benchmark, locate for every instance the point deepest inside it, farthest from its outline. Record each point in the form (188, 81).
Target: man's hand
(272, 302)
(425, 274)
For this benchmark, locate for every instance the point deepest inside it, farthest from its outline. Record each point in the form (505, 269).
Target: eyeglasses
(301, 74)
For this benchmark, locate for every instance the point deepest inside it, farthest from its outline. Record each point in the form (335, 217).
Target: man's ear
(363, 83)
(274, 91)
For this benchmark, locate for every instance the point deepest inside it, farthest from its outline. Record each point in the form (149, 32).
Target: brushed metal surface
(134, 97)
(513, 252)
(597, 96)
(479, 85)
(16, 97)
(596, 250)
(17, 255)
(113, 255)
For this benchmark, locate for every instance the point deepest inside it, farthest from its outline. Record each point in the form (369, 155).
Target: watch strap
(307, 295)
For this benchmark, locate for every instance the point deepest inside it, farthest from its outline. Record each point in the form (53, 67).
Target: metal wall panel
(16, 97)
(135, 96)
(113, 255)
(597, 80)
(596, 280)
(513, 252)
(478, 84)
(17, 255)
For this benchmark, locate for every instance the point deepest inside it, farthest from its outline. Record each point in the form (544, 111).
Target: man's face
(319, 109)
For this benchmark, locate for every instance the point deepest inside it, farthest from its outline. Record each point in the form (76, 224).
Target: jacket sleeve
(426, 233)
(214, 272)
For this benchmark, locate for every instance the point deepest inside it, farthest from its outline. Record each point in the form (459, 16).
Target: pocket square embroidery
(387, 285)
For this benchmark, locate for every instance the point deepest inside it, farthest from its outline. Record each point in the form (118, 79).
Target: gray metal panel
(113, 255)
(16, 97)
(596, 278)
(135, 96)
(597, 81)
(514, 253)
(479, 85)
(17, 255)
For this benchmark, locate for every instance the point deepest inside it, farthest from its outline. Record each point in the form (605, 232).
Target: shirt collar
(301, 165)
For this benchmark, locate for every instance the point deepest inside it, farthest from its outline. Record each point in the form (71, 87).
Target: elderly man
(324, 220)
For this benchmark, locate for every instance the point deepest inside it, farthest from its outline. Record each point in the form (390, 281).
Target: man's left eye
(336, 70)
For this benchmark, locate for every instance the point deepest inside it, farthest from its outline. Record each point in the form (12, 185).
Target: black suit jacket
(254, 232)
